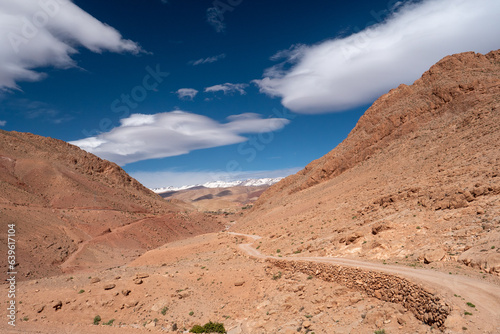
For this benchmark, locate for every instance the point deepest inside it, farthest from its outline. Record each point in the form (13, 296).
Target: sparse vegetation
(309, 277)
(97, 319)
(109, 323)
(278, 251)
(380, 331)
(210, 327)
(467, 313)
(81, 291)
(470, 304)
(164, 310)
(191, 313)
(277, 276)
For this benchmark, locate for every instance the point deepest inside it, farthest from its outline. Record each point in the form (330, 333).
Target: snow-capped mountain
(223, 184)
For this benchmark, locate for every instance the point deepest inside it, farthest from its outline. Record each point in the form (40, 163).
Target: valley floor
(221, 277)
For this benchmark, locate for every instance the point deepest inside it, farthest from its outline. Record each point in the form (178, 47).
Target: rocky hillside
(73, 210)
(417, 179)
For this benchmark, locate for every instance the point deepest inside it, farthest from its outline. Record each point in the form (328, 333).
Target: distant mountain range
(223, 184)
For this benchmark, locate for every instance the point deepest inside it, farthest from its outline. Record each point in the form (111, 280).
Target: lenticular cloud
(142, 137)
(344, 73)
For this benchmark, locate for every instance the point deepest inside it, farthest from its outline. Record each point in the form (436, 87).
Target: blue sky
(181, 92)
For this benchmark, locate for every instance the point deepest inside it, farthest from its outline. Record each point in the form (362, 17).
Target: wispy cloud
(3, 123)
(351, 71)
(215, 19)
(186, 93)
(26, 45)
(207, 60)
(228, 88)
(142, 137)
(177, 178)
(39, 110)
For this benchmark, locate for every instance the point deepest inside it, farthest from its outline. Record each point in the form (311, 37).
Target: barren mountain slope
(230, 199)
(416, 180)
(63, 200)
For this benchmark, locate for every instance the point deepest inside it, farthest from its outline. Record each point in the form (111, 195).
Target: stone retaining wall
(424, 304)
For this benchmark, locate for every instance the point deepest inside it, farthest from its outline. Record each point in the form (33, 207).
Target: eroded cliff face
(463, 85)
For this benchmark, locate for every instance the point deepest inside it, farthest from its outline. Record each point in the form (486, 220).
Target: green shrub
(380, 331)
(164, 310)
(214, 327)
(109, 323)
(209, 327)
(97, 320)
(197, 329)
(470, 304)
(81, 291)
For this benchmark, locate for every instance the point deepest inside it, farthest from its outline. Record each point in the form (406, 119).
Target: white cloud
(142, 137)
(227, 88)
(215, 19)
(176, 178)
(3, 123)
(352, 71)
(36, 34)
(207, 60)
(186, 93)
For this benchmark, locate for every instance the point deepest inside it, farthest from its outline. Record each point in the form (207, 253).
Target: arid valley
(395, 230)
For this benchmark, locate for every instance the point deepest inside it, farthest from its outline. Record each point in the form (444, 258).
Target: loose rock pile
(425, 305)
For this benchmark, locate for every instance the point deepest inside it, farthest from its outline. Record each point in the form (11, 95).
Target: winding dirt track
(485, 295)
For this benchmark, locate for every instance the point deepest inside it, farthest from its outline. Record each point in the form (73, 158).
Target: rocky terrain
(397, 230)
(416, 181)
(75, 211)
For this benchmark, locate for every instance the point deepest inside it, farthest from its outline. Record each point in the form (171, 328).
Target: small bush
(109, 323)
(191, 313)
(467, 313)
(380, 331)
(470, 304)
(164, 310)
(209, 327)
(97, 319)
(81, 291)
(214, 327)
(197, 329)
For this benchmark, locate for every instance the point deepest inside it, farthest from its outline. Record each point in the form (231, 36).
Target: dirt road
(484, 295)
